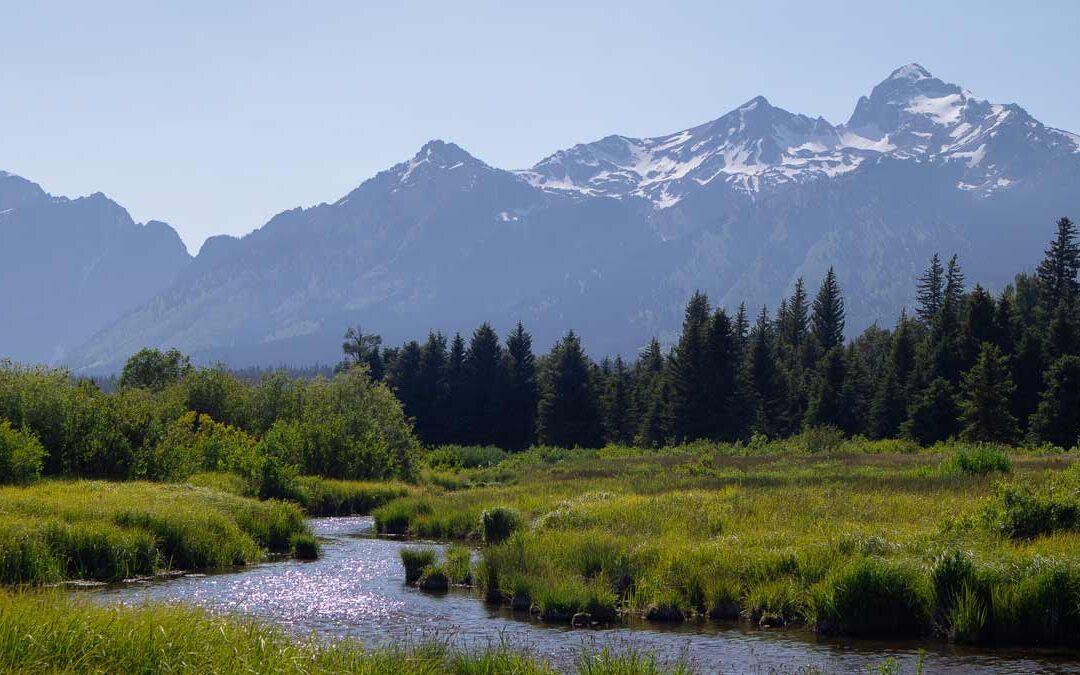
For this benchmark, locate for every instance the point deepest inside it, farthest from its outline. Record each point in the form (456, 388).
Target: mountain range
(609, 237)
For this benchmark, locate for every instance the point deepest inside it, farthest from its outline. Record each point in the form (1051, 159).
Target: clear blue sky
(215, 115)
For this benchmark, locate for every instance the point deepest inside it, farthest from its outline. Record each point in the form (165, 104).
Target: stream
(356, 589)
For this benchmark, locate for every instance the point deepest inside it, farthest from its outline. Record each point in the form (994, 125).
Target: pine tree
(721, 388)
(1063, 332)
(689, 373)
(931, 290)
(978, 325)
(932, 415)
(828, 318)
(1028, 374)
(1004, 323)
(826, 406)
(856, 393)
(457, 407)
(482, 382)
(742, 329)
(431, 416)
(568, 415)
(987, 390)
(522, 391)
(889, 407)
(1057, 419)
(765, 384)
(655, 422)
(1057, 272)
(404, 378)
(618, 413)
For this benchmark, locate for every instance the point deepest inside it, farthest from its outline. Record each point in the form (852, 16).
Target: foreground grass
(860, 538)
(48, 633)
(58, 530)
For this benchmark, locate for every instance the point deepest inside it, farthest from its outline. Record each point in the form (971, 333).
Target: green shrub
(498, 524)
(415, 560)
(305, 546)
(21, 455)
(814, 440)
(979, 460)
(1041, 606)
(1020, 512)
(464, 457)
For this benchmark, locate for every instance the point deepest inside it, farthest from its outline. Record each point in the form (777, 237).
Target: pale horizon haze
(215, 116)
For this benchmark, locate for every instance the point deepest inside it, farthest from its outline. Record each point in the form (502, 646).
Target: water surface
(357, 590)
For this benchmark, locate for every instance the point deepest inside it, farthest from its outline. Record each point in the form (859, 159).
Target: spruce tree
(568, 415)
(618, 412)
(765, 384)
(1063, 332)
(987, 389)
(689, 373)
(457, 407)
(1057, 419)
(1057, 272)
(483, 376)
(432, 409)
(932, 415)
(827, 405)
(522, 391)
(404, 378)
(721, 387)
(742, 329)
(889, 407)
(931, 289)
(977, 325)
(856, 393)
(828, 318)
(1027, 371)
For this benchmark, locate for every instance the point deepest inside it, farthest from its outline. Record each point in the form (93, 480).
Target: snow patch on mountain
(909, 116)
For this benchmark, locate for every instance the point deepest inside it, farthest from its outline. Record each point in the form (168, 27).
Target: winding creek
(357, 590)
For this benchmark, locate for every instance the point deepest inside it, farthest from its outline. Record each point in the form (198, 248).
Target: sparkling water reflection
(357, 590)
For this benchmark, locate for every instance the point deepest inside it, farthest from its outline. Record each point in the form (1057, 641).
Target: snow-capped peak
(910, 116)
(912, 72)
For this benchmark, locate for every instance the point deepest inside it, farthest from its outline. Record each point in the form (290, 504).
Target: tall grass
(847, 535)
(57, 530)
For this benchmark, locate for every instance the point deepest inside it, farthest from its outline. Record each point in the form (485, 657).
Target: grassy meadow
(967, 542)
(52, 531)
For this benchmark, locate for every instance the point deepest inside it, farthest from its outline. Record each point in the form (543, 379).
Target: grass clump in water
(305, 546)
(415, 560)
(872, 596)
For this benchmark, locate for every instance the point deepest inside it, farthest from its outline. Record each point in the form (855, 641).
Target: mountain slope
(611, 237)
(69, 267)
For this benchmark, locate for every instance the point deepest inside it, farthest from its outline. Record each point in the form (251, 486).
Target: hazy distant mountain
(70, 267)
(611, 237)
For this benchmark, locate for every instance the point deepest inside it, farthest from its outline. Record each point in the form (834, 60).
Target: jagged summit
(910, 115)
(911, 72)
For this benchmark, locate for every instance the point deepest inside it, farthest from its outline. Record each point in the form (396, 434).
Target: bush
(815, 440)
(1019, 512)
(464, 457)
(21, 455)
(498, 524)
(415, 560)
(979, 460)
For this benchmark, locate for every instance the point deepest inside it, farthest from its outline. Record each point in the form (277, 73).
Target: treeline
(167, 420)
(965, 364)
